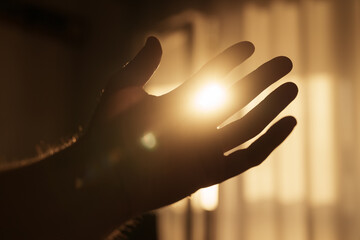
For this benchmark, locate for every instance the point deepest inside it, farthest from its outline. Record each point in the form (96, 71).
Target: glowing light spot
(210, 97)
(149, 141)
(209, 197)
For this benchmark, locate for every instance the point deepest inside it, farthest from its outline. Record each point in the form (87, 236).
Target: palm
(189, 148)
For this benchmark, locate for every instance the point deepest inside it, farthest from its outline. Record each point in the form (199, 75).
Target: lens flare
(211, 97)
(149, 141)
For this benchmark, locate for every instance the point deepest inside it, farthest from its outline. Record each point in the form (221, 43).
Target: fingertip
(278, 132)
(293, 121)
(249, 46)
(243, 49)
(285, 62)
(289, 121)
(139, 70)
(152, 39)
(291, 88)
(154, 43)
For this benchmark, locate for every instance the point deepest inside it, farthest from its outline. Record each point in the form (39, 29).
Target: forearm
(33, 197)
(46, 200)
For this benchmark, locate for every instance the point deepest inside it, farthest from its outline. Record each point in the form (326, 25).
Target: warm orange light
(211, 97)
(209, 197)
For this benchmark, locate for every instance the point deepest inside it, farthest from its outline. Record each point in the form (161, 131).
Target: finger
(139, 70)
(257, 152)
(258, 118)
(245, 90)
(146, 61)
(218, 67)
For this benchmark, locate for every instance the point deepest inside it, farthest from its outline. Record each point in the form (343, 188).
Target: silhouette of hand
(144, 152)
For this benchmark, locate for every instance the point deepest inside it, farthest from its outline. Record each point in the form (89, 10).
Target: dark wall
(54, 59)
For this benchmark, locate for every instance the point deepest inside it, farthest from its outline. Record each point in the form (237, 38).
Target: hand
(189, 151)
(109, 175)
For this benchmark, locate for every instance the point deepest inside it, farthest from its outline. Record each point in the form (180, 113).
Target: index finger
(217, 68)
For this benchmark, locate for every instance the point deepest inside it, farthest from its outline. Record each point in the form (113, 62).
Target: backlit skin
(211, 97)
(120, 178)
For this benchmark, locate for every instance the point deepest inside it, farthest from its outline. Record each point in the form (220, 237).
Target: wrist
(99, 182)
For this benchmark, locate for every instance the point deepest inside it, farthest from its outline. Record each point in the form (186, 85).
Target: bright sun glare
(211, 97)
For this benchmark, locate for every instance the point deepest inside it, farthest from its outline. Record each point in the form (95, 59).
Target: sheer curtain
(309, 187)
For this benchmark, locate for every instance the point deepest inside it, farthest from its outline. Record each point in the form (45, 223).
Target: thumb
(139, 70)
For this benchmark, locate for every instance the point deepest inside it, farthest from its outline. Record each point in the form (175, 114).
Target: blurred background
(55, 57)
